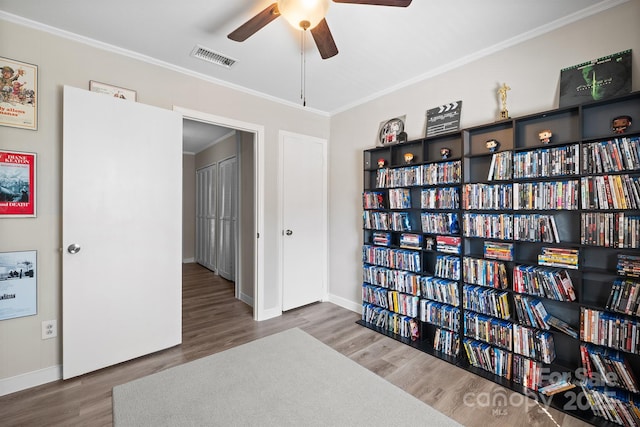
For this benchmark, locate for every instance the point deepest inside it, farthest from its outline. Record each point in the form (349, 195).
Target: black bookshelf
(535, 197)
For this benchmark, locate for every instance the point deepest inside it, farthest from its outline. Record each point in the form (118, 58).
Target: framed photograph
(17, 184)
(18, 289)
(597, 79)
(115, 91)
(18, 94)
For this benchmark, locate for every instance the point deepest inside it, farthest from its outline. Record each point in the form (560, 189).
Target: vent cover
(213, 57)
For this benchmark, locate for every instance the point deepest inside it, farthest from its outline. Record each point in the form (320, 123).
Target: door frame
(324, 267)
(259, 312)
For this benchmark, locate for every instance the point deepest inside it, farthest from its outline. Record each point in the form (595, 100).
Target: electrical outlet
(49, 329)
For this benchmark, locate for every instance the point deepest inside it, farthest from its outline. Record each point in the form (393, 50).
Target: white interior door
(227, 214)
(122, 186)
(206, 214)
(304, 219)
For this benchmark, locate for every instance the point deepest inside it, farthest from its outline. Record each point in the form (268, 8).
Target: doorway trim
(259, 312)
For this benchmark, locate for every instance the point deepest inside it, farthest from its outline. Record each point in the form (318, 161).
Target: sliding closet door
(227, 202)
(206, 218)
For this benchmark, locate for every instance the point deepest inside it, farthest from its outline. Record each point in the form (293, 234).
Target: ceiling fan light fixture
(303, 14)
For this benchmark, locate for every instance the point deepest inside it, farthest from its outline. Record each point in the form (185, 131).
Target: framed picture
(17, 184)
(390, 131)
(115, 91)
(18, 94)
(18, 289)
(597, 79)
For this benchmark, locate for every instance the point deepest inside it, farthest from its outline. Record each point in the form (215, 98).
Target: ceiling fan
(305, 15)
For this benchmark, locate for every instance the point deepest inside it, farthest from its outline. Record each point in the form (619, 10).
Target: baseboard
(246, 299)
(188, 260)
(30, 379)
(345, 303)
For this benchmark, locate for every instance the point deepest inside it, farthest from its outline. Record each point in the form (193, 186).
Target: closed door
(304, 213)
(227, 217)
(121, 230)
(206, 214)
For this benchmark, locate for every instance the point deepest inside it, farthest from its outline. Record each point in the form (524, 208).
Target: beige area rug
(286, 379)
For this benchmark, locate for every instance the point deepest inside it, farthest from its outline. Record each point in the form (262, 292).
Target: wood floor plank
(213, 321)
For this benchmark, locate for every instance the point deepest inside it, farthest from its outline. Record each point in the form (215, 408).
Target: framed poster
(18, 289)
(18, 93)
(17, 184)
(597, 79)
(115, 91)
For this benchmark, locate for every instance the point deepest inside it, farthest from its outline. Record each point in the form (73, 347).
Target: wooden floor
(214, 321)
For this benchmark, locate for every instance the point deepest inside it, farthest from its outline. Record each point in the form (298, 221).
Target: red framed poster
(17, 184)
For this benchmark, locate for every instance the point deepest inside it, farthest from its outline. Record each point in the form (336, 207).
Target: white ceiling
(380, 48)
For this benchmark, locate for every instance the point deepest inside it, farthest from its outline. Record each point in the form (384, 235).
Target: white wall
(531, 69)
(24, 356)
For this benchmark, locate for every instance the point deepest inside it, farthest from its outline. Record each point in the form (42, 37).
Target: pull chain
(303, 68)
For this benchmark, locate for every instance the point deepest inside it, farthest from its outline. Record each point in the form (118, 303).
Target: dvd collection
(487, 196)
(551, 283)
(609, 329)
(611, 366)
(478, 271)
(501, 167)
(559, 257)
(546, 195)
(545, 162)
(628, 265)
(440, 198)
(625, 297)
(430, 174)
(615, 155)
(535, 228)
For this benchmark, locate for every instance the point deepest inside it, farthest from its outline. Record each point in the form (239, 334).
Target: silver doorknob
(74, 248)
(289, 232)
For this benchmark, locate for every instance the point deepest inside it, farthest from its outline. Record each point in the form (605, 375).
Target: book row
(398, 324)
(494, 331)
(448, 267)
(397, 280)
(491, 359)
(615, 155)
(610, 192)
(486, 301)
(546, 195)
(610, 330)
(429, 174)
(628, 265)
(394, 221)
(614, 405)
(395, 301)
(610, 366)
(478, 271)
(440, 198)
(533, 343)
(487, 196)
(546, 162)
(501, 167)
(610, 230)
(624, 297)
(552, 283)
(401, 259)
(439, 314)
(447, 342)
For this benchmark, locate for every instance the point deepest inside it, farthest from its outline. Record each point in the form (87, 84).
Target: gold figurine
(504, 113)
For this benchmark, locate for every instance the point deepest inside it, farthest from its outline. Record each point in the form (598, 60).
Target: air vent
(213, 57)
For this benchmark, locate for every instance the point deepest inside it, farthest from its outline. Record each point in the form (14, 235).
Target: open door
(121, 231)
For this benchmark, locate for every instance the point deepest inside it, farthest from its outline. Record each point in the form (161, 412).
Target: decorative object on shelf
(504, 113)
(454, 225)
(443, 119)
(445, 152)
(381, 162)
(408, 158)
(620, 124)
(18, 93)
(18, 277)
(114, 91)
(17, 184)
(390, 130)
(414, 329)
(545, 136)
(492, 145)
(597, 79)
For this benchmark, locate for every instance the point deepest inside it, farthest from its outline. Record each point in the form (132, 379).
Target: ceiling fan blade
(397, 3)
(252, 26)
(324, 40)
